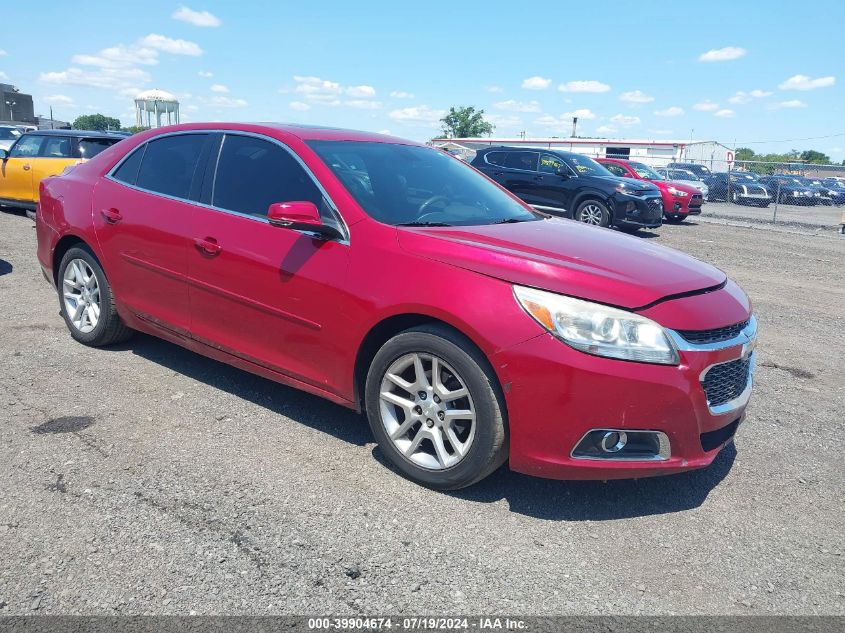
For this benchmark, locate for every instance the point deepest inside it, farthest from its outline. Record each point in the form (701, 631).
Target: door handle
(26, 167)
(112, 216)
(208, 245)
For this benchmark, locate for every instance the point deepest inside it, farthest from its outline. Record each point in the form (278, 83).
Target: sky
(766, 75)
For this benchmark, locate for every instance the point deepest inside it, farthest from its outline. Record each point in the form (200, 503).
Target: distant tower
(150, 105)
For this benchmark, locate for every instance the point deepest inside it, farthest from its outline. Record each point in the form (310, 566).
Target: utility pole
(51, 117)
(574, 126)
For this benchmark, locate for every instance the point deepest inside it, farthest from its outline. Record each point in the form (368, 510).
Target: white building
(152, 105)
(656, 153)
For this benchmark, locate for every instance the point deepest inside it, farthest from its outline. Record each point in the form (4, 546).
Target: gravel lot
(815, 216)
(146, 479)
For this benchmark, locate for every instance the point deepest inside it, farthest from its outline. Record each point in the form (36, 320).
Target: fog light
(613, 441)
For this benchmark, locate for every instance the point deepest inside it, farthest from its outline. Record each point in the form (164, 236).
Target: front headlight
(677, 192)
(598, 329)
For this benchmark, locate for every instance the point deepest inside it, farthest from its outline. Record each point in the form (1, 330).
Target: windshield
(682, 174)
(411, 185)
(743, 177)
(584, 166)
(9, 134)
(646, 172)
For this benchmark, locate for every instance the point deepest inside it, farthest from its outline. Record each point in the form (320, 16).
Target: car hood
(635, 184)
(567, 257)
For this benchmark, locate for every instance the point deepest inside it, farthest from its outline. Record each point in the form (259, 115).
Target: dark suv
(699, 170)
(572, 186)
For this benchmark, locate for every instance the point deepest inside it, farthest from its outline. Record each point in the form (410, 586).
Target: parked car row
(742, 187)
(390, 278)
(33, 156)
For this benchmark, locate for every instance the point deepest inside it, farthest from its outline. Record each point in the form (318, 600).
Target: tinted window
(253, 173)
(27, 146)
(550, 164)
(9, 133)
(169, 164)
(495, 158)
(57, 147)
(406, 184)
(90, 147)
(128, 170)
(616, 170)
(522, 160)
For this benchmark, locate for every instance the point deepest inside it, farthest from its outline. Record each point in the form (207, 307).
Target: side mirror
(4, 154)
(301, 216)
(562, 172)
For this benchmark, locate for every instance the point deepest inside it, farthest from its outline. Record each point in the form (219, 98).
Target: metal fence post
(777, 202)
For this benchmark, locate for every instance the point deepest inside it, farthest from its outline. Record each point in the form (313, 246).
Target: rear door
(265, 294)
(520, 175)
(552, 189)
(143, 221)
(16, 172)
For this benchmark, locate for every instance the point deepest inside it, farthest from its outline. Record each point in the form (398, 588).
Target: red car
(394, 279)
(679, 201)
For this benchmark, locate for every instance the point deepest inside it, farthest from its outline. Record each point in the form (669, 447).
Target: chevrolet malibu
(396, 280)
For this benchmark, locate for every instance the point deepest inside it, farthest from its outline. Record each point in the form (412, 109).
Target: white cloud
(363, 104)
(418, 115)
(401, 94)
(725, 113)
(299, 106)
(564, 121)
(3, 53)
(536, 83)
(803, 82)
(205, 73)
(505, 122)
(791, 104)
(108, 78)
(58, 100)
(4, 76)
(582, 113)
(226, 102)
(361, 91)
(170, 45)
(725, 54)
(670, 111)
(197, 18)
(583, 86)
(621, 119)
(517, 106)
(636, 96)
(758, 94)
(706, 106)
(606, 129)
(219, 88)
(494, 89)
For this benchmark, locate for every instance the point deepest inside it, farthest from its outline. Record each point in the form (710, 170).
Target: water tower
(151, 105)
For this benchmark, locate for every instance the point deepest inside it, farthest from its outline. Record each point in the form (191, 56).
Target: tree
(134, 129)
(99, 122)
(744, 153)
(463, 122)
(812, 156)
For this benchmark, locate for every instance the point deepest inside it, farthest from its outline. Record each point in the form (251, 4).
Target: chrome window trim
(746, 335)
(332, 206)
(664, 451)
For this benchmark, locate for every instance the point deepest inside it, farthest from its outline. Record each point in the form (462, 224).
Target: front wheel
(86, 300)
(435, 409)
(593, 212)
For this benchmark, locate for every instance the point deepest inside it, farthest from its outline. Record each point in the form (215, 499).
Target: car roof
(545, 150)
(80, 133)
(303, 132)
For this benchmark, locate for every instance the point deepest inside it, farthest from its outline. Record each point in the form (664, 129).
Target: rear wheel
(86, 301)
(593, 212)
(434, 408)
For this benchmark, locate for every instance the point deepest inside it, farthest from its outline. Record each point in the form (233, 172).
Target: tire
(109, 328)
(414, 452)
(592, 211)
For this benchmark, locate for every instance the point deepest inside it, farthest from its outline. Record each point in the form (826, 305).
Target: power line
(791, 140)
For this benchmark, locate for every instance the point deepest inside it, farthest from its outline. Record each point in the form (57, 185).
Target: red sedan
(679, 201)
(394, 279)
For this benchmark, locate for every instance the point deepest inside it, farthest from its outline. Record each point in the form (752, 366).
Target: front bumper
(556, 395)
(631, 211)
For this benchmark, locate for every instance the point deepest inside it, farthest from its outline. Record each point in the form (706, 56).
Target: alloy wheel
(81, 292)
(427, 411)
(592, 214)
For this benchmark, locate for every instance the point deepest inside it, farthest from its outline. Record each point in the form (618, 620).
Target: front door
(265, 294)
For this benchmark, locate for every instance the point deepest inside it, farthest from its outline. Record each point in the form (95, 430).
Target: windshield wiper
(423, 224)
(510, 221)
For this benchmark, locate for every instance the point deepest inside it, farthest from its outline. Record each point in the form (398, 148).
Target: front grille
(696, 200)
(724, 382)
(714, 439)
(703, 337)
(655, 203)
